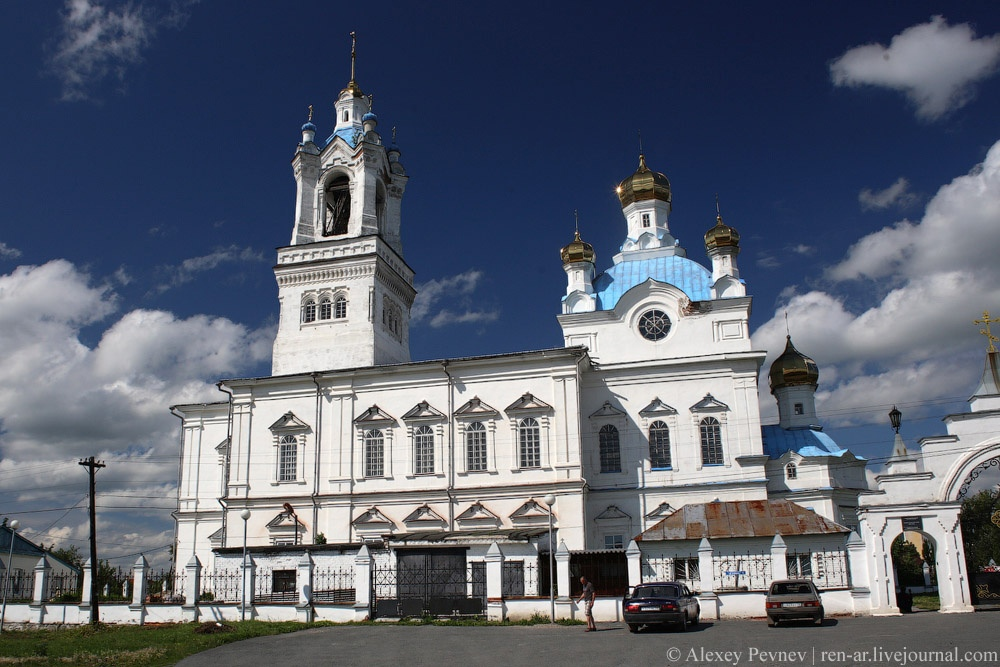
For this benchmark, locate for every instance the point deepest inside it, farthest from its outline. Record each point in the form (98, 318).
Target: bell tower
(344, 290)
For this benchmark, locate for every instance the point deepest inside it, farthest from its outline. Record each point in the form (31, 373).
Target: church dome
(792, 369)
(309, 127)
(577, 251)
(721, 236)
(644, 185)
(369, 116)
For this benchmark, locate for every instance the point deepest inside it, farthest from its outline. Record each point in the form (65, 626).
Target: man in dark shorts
(588, 597)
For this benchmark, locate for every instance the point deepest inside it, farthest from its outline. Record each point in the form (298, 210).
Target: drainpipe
(174, 514)
(225, 469)
(451, 447)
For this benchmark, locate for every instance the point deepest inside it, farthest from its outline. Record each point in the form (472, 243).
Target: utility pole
(95, 615)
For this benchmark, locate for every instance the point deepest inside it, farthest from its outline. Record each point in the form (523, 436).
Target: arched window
(529, 443)
(374, 453)
(309, 311)
(659, 446)
(340, 307)
(791, 471)
(288, 458)
(325, 308)
(611, 453)
(711, 442)
(423, 450)
(338, 206)
(475, 447)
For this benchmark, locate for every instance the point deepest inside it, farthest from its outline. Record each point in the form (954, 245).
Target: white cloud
(452, 289)
(922, 284)
(935, 65)
(6, 252)
(189, 269)
(99, 41)
(61, 400)
(898, 194)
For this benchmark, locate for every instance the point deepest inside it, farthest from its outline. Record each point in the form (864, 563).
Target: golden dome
(792, 369)
(577, 251)
(353, 88)
(721, 236)
(644, 185)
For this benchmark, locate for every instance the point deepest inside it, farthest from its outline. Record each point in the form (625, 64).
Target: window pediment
(375, 416)
(284, 520)
(474, 408)
(288, 423)
(612, 513)
(530, 510)
(657, 408)
(372, 518)
(528, 404)
(478, 512)
(709, 404)
(422, 411)
(424, 515)
(661, 511)
(608, 411)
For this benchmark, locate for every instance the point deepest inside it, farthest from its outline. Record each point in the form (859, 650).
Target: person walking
(588, 597)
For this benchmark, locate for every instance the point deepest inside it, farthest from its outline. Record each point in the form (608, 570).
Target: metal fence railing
(333, 586)
(220, 586)
(747, 571)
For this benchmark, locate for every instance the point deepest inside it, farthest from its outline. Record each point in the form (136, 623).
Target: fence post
(634, 557)
(857, 567)
(139, 575)
(249, 572)
(706, 570)
(42, 572)
(192, 588)
(779, 562)
(494, 583)
(564, 603)
(88, 576)
(362, 583)
(304, 583)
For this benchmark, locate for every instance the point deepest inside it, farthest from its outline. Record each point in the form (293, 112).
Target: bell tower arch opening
(337, 199)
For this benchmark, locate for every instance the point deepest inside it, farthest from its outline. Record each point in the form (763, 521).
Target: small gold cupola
(721, 236)
(792, 369)
(645, 184)
(578, 250)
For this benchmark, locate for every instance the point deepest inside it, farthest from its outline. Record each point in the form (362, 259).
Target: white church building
(646, 410)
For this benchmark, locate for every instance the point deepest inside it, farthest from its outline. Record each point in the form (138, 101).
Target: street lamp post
(550, 500)
(245, 515)
(13, 525)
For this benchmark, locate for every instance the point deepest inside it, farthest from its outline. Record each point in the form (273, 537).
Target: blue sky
(147, 181)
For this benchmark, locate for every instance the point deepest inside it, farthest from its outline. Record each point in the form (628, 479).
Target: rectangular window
(798, 409)
(512, 579)
(645, 219)
(288, 459)
(283, 581)
(799, 566)
(475, 443)
(614, 542)
(530, 443)
(374, 457)
(686, 569)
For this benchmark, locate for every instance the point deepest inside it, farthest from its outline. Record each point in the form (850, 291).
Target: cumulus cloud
(896, 314)
(454, 290)
(896, 195)
(62, 400)
(98, 41)
(6, 252)
(189, 269)
(934, 64)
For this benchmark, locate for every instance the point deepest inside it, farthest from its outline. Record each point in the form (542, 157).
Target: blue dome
(369, 116)
(393, 148)
(308, 127)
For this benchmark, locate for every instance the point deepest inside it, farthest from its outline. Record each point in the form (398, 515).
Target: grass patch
(128, 645)
(927, 601)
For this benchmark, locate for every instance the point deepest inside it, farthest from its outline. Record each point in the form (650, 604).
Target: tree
(70, 555)
(980, 534)
(909, 566)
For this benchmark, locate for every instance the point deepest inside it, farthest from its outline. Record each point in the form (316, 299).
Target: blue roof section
(804, 441)
(686, 275)
(345, 133)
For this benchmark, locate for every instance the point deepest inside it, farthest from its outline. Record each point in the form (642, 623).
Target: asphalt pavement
(927, 638)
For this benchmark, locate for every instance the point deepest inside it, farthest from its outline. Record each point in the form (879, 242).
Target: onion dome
(792, 369)
(644, 185)
(308, 127)
(721, 236)
(577, 251)
(353, 88)
(369, 116)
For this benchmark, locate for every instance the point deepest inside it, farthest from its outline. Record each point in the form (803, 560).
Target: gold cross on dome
(986, 332)
(310, 113)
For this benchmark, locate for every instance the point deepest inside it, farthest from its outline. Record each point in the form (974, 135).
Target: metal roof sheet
(805, 441)
(686, 275)
(741, 518)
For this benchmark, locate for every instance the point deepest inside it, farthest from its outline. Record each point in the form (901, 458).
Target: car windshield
(791, 588)
(656, 592)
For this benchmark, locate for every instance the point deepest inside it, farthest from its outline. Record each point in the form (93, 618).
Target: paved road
(893, 641)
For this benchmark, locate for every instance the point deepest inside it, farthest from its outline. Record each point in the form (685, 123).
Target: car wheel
(819, 619)
(696, 620)
(772, 623)
(633, 627)
(684, 622)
